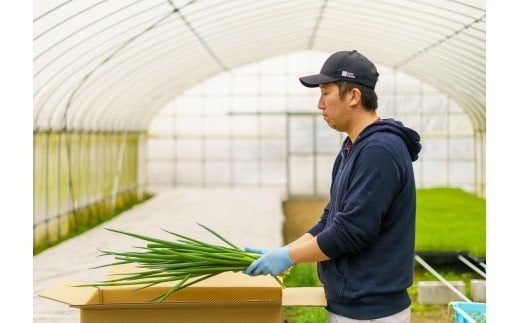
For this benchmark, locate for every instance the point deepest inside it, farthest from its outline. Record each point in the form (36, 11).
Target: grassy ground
(447, 219)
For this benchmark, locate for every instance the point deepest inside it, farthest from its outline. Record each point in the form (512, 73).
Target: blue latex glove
(273, 262)
(260, 251)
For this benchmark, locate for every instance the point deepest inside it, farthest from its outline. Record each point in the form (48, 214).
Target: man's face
(335, 111)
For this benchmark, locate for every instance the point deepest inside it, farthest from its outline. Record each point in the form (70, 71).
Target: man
(364, 241)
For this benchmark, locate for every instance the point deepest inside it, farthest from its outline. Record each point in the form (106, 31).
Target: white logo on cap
(348, 74)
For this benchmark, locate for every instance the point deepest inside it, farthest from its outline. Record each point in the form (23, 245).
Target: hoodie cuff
(315, 230)
(328, 244)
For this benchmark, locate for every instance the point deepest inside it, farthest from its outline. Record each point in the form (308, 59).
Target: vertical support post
(314, 156)
(47, 177)
(288, 153)
(479, 137)
(117, 174)
(203, 144)
(97, 185)
(448, 139)
(58, 186)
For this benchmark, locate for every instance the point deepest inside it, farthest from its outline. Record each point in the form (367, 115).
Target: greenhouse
(170, 108)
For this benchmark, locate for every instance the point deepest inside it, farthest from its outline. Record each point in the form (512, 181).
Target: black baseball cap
(349, 66)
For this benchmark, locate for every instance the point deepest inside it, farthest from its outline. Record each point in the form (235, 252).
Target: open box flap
(304, 296)
(65, 291)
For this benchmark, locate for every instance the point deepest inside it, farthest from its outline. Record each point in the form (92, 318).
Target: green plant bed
(450, 219)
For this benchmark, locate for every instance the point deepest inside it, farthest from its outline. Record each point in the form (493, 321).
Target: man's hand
(273, 262)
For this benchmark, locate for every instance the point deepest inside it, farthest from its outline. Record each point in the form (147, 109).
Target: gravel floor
(247, 217)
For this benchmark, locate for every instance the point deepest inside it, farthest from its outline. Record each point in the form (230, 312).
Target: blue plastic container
(469, 312)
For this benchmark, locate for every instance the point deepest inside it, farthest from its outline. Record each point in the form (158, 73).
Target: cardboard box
(228, 297)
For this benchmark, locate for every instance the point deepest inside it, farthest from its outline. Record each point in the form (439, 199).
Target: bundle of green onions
(180, 260)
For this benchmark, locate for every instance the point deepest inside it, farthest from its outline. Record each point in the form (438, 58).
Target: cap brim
(316, 80)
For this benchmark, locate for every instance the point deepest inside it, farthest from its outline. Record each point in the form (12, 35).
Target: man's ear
(355, 98)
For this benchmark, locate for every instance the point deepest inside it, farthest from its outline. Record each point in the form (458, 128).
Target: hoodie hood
(410, 137)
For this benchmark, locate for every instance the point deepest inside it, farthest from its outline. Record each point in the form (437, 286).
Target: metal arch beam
(434, 5)
(437, 43)
(164, 99)
(396, 12)
(84, 79)
(51, 10)
(103, 62)
(448, 63)
(151, 76)
(460, 56)
(135, 69)
(471, 106)
(154, 77)
(106, 59)
(244, 11)
(475, 63)
(123, 88)
(230, 54)
(399, 9)
(450, 93)
(372, 26)
(369, 25)
(74, 71)
(218, 29)
(66, 78)
(200, 38)
(230, 31)
(104, 81)
(162, 90)
(317, 25)
(78, 68)
(458, 74)
(107, 115)
(70, 17)
(73, 46)
(160, 86)
(112, 83)
(70, 74)
(474, 111)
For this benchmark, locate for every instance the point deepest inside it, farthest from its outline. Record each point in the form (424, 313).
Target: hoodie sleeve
(315, 230)
(374, 182)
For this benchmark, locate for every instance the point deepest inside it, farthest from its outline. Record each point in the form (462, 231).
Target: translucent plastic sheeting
(111, 65)
(245, 142)
(78, 173)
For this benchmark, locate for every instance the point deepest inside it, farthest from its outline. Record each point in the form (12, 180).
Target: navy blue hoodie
(368, 227)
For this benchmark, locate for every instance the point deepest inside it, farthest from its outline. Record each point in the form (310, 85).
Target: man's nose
(321, 106)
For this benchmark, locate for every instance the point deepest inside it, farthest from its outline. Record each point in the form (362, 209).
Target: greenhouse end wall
(258, 126)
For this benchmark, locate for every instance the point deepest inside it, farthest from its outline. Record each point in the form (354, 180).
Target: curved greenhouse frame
(134, 96)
